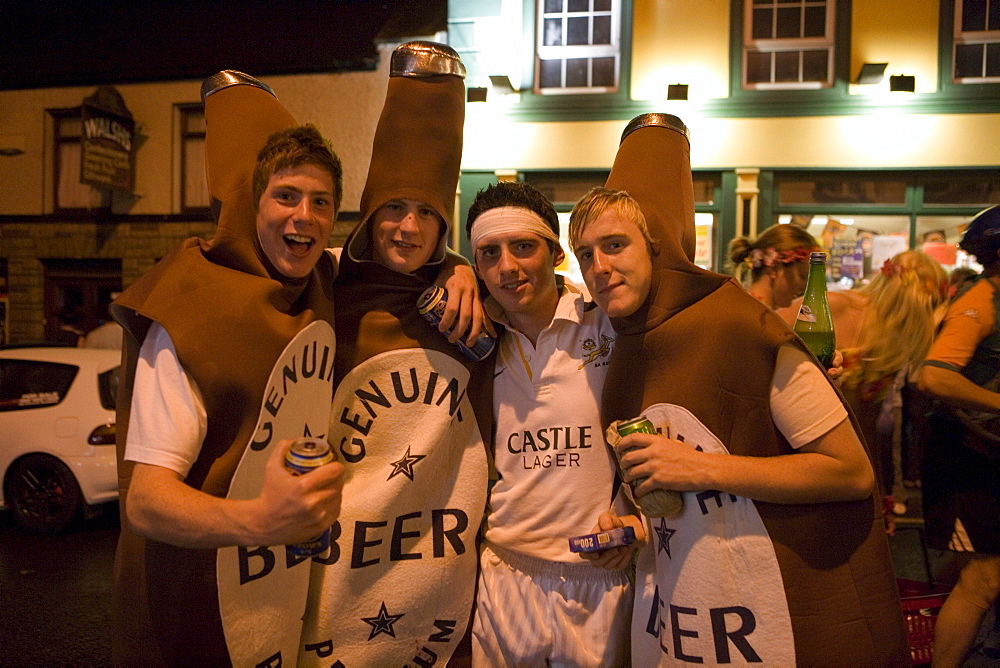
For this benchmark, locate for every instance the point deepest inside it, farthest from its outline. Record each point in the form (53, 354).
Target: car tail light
(103, 435)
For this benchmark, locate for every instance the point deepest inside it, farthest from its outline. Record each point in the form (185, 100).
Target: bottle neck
(816, 282)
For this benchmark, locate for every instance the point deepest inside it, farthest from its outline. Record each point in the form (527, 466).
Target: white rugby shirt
(556, 470)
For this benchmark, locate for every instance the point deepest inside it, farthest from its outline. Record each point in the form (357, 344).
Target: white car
(57, 433)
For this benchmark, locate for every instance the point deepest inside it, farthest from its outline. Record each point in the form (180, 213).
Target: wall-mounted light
(502, 85)
(902, 83)
(677, 91)
(871, 73)
(475, 94)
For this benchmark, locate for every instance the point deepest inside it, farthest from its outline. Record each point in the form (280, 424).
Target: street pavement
(55, 591)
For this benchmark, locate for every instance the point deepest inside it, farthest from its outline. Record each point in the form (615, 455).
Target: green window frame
(976, 42)
(788, 44)
(577, 47)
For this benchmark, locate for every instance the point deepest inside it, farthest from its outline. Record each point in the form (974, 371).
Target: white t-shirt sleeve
(803, 404)
(167, 423)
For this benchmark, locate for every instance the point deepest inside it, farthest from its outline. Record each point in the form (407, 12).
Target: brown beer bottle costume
(230, 315)
(410, 414)
(810, 584)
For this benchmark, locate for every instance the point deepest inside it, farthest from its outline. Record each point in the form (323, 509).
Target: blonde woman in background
(774, 268)
(884, 331)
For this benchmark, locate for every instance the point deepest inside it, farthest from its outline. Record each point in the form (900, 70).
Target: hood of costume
(698, 358)
(417, 150)
(411, 414)
(230, 316)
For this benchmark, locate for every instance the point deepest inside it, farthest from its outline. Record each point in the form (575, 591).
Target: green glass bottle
(814, 324)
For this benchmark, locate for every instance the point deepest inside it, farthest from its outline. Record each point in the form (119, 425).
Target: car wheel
(42, 494)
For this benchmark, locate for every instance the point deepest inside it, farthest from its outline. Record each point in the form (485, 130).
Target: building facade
(798, 110)
(872, 123)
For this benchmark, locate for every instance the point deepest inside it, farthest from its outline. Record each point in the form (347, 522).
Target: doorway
(77, 296)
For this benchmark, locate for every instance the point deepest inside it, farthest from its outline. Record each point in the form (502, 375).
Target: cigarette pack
(603, 540)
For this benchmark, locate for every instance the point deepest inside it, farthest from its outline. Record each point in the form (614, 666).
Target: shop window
(564, 189)
(194, 195)
(858, 244)
(578, 46)
(795, 189)
(977, 41)
(788, 44)
(962, 190)
(70, 194)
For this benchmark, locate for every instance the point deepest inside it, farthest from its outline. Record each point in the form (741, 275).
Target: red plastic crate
(921, 603)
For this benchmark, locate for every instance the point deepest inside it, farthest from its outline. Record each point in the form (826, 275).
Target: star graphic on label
(664, 534)
(382, 623)
(306, 432)
(405, 465)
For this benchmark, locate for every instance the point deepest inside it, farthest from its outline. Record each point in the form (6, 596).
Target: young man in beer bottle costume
(537, 601)
(411, 412)
(961, 467)
(779, 554)
(228, 349)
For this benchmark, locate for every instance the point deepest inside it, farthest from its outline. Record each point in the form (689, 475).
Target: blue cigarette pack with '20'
(602, 540)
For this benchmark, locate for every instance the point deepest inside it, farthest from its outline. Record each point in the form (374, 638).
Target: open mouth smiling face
(295, 217)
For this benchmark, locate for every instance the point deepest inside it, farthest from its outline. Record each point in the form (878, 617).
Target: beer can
(431, 306)
(304, 455)
(639, 425)
(659, 502)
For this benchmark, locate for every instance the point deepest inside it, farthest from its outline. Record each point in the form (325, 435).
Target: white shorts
(534, 612)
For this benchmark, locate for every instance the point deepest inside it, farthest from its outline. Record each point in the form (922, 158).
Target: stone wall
(139, 245)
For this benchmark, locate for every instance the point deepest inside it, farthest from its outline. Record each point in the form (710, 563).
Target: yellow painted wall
(903, 33)
(888, 140)
(685, 41)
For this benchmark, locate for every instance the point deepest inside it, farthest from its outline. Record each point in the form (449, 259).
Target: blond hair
(598, 200)
(899, 320)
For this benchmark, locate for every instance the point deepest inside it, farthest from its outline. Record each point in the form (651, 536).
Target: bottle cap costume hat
(645, 161)
(417, 151)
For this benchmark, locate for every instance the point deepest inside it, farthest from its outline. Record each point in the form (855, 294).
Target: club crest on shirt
(595, 352)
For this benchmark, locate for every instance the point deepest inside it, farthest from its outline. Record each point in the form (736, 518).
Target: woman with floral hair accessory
(774, 267)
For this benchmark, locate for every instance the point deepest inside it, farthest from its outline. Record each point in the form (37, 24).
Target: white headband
(509, 220)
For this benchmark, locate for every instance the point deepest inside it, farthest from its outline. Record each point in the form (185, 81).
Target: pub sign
(107, 140)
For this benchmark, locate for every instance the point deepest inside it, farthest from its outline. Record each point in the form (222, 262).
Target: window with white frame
(194, 188)
(70, 194)
(788, 44)
(578, 46)
(977, 41)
